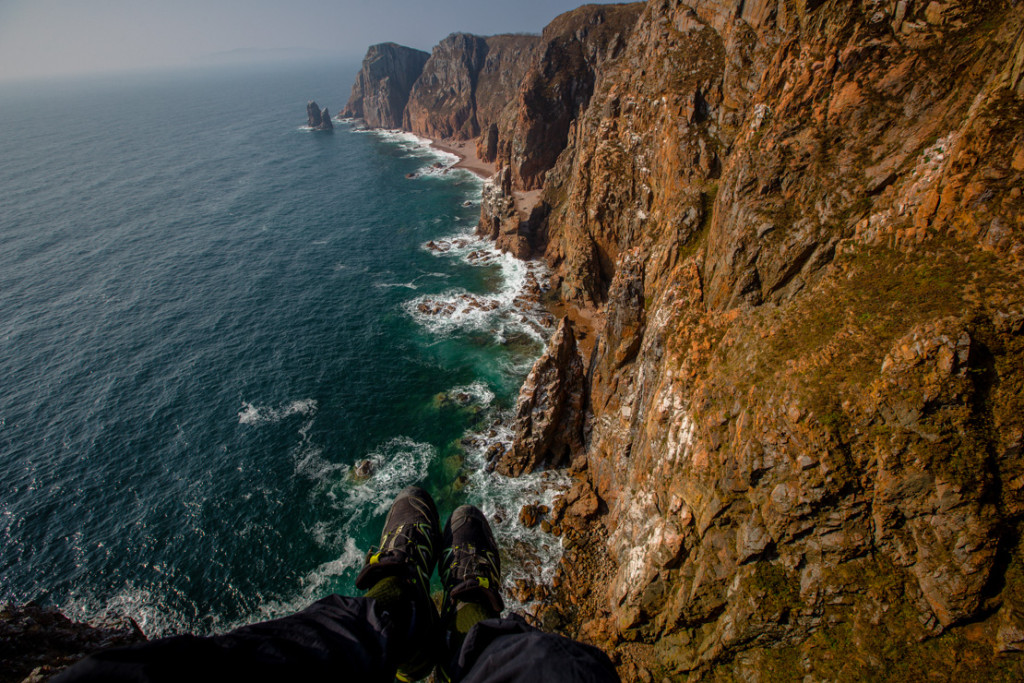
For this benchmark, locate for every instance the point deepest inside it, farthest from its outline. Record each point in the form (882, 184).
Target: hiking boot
(397, 575)
(408, 544)
(469, 567)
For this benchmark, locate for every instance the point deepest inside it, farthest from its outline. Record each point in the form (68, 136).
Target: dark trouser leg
(510, 651)
(334, 639)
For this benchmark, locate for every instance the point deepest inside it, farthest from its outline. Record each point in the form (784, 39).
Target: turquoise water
(207, 315)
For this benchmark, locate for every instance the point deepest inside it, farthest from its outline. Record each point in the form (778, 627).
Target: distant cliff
(790, 236)
(382, 86)
(465, 84)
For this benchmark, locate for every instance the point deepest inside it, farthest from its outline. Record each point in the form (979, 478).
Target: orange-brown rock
(466, 84)
(807, 385)
(549, 412)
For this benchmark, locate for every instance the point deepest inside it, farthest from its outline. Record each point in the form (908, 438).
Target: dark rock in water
(318, 120)
(313, 113)
(363, 470)
(325, 120)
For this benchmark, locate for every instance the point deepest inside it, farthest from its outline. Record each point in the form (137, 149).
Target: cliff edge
(801, 227)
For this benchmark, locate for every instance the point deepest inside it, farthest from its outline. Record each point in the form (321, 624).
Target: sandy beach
(468, 159)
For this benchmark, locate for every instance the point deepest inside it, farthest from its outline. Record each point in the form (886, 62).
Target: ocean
(226, 343)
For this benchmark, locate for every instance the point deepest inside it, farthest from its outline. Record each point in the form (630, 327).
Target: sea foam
(254, 415)
(514, 308)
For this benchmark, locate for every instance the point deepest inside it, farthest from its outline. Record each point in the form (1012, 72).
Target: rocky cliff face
(559, 85)
(572, 53)
(466, 83)
(382, 87)
(36, 642)
(801, 227)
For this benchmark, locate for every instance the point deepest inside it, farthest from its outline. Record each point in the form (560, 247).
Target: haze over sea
(208, 316)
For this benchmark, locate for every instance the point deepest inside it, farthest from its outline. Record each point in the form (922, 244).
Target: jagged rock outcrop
(318, 119)
(508, 59)
(381, 90)
(559, 85)
(36, 642)
(534, 128)
(441, 104)
(467, 84)
(549, 412)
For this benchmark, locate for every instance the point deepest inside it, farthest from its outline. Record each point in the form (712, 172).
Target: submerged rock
(363, 470)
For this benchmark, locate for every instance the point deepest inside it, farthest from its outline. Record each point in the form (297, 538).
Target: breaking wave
(514, 309)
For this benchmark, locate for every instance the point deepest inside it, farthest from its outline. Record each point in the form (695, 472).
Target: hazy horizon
(40, 39)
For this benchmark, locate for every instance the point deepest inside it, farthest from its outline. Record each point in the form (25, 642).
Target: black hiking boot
(397, 574)
(470, 568)
(470, 572)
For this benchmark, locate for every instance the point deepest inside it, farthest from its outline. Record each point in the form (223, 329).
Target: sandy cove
(468, 159)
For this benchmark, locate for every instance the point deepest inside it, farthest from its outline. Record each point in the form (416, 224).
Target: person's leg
(510, 651)
(484, 648)
(470, 570)
(397, 576)
(335, 639)
(336, 634)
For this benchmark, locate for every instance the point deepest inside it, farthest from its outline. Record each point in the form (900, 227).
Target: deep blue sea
(208, 316)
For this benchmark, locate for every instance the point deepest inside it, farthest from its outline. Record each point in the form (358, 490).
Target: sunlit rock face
(797, 231)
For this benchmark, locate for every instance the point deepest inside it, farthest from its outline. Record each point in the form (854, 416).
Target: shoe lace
(409, 544)
(466, 562)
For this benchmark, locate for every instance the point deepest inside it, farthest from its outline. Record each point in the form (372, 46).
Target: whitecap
(477, 393)
(350, 558)
(306, 454)
(394, 465)
(531, 554)
(311, 588)
(415, 145)
(396, 285)
(149, 608)
(254, 415)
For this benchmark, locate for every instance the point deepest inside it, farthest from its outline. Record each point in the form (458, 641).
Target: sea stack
(318, 120)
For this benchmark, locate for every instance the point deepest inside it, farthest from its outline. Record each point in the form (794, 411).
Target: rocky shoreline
(468, 158)
(37, 642)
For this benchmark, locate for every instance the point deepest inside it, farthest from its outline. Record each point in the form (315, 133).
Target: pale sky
(41, 38)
